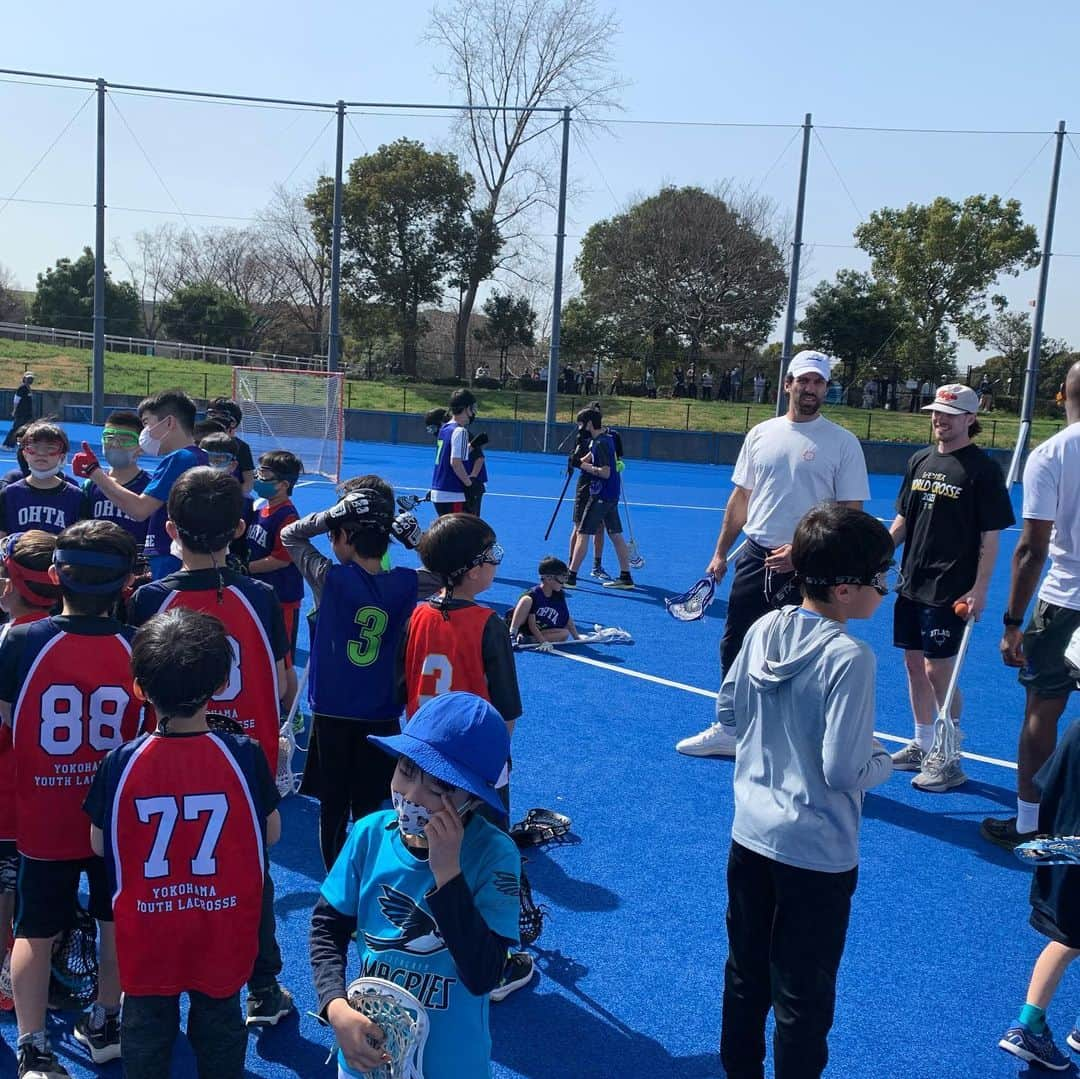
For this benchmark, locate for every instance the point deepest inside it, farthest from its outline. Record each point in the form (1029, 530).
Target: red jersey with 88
(72, 708)
(185, 845)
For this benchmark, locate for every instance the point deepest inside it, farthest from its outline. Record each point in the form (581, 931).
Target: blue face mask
(265, 488)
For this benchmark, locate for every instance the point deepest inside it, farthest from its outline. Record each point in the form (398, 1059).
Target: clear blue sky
(957, 64)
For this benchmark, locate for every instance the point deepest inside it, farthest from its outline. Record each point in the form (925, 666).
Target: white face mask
(48, 473)
(412, 818)
(147, 443)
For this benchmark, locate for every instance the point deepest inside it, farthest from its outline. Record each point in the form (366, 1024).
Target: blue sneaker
(1034, 1048)
(1073, 1039)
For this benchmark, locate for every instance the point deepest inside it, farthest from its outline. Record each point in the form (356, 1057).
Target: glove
(85, 463)
(406, 530)
(620, 464)
(547, 646)
(479, 442)
(352, 505)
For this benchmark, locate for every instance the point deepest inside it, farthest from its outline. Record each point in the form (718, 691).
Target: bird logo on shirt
(419, 933)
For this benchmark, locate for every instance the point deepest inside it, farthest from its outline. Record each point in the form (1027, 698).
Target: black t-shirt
(947, 501)
(244, 461)
(23, 411)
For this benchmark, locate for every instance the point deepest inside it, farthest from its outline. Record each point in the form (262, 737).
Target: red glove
(85, 463)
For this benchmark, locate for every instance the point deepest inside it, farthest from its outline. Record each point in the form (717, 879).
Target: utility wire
(37, 164)
(847, 190)
(303, 156)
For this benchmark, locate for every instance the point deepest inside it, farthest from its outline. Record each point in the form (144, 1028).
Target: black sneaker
(519, 971)
(40, 1064)
(1003, 833)
(102, 1043)
(267, 1009)
(571, 580)
(624, 582)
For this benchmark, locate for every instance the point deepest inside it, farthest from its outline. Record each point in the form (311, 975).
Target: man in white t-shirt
(786, 466)
(1051, 527)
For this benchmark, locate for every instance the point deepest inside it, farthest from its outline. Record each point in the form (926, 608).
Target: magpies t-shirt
(376, 879)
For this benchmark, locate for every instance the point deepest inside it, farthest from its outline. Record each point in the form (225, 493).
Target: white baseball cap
(807, 362)
(954, 399)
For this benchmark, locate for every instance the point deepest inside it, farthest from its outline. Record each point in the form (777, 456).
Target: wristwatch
(1009, 622)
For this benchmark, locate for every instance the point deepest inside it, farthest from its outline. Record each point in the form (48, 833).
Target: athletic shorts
(934, 631)
(1055, 904)
(9, 868)
(601, 513)
(47, 893)
(581, 503)
(443, 508)
(290, 613)
(1045, 640)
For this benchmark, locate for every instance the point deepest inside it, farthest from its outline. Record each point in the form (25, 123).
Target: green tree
(402, 213)
(857, 320)
(65, 299)
(1010, 334)
(510, 321)
(698, 264)
(206, 314)
(940, 261)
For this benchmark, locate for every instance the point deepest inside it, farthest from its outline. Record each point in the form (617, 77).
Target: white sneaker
(714, 741)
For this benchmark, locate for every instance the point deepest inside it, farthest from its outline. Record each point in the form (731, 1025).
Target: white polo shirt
(789, 468)
(1052, 493)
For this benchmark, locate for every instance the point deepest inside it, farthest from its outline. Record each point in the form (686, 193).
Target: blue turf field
(939, 950)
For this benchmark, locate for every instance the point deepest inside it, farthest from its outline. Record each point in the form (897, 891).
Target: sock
(624, 575)
(924, 736)
(1033, 1018)
(1027, 816)
(38, 1039)
(597, 562)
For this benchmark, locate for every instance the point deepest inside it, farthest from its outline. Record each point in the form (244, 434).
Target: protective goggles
(119, 438)
(489, 556)
(881, 582)
(221, 460)
(42, 447)
(559, 578)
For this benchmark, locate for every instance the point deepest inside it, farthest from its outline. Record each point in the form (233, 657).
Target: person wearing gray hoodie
(799, 699)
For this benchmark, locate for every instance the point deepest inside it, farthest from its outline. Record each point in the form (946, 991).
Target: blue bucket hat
(458, 738)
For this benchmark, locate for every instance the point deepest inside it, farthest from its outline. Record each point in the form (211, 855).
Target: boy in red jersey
(452, 644)
(182, 817)
(65, 714)
(205, 513)
(27, 595)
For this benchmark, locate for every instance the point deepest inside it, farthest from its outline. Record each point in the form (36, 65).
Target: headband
(95, 560)
(22, 577)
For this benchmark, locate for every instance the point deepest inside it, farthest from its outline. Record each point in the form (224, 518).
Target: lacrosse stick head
(403, 1021)
(286, 780)
(73, 979)
(693, 603)
(637, 560)
(405, 503)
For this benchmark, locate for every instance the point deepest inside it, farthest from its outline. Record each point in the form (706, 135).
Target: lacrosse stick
(288, 781)
(692, 604)
(405, 503)
(946, 747)
(637, 561)
(599, 635)
(1049, 850)
(558, 506)
(73, 979)
(403, 1021)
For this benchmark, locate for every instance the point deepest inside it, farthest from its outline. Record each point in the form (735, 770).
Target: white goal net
(299, 411)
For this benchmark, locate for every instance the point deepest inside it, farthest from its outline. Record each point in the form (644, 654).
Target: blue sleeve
(144, 604)
(497, 889)
(168, 471)
(11, 652)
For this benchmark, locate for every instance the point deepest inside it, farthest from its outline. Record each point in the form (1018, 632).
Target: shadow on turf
(962, 831)
(580, 1038)
(551, 881)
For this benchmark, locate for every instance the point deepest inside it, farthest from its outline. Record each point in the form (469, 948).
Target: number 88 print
(66, 715)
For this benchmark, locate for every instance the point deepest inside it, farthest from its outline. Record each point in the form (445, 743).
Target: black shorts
(9, 867)
(443, 508)
(47, 893)
(1055, 904)
(601, 513)
(1045, 640)
(934, 631)
(581, 503)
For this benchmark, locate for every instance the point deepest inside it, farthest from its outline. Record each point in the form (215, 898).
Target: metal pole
(97, 402)
(333, 344)
(556, 300)
(1031, 376)
(793, 277)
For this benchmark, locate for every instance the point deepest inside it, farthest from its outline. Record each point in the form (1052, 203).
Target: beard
(807, 406)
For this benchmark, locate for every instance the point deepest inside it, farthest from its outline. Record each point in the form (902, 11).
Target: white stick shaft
(954, 679)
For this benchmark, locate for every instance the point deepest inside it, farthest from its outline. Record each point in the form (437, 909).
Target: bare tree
(12, 309)
(151, 267)
(301, 261)
(519, 55)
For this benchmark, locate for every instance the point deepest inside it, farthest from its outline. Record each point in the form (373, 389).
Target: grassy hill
(69, 368)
